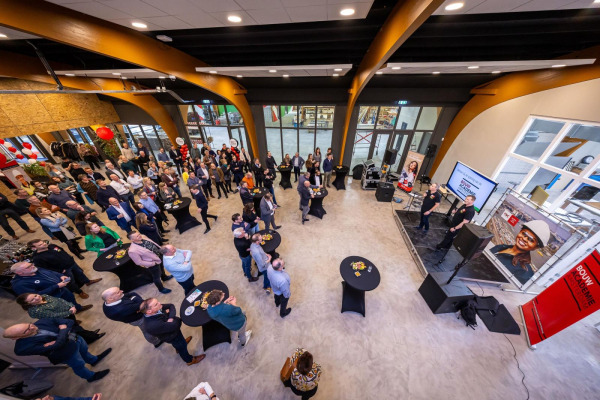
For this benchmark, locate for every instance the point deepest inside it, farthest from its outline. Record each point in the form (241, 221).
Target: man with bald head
(178, 263)
(53, 338)
(59, 197)
(122, 213)
(74, 208)
(124, 307)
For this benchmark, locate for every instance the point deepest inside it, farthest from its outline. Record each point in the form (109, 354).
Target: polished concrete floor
(399, 351)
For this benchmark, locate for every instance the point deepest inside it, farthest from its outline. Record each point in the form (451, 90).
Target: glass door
(399, 143)
(379, 144)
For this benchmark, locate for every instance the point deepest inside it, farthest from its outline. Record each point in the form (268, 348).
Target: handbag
(287, 369)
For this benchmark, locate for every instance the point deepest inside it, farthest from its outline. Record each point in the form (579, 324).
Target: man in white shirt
(110, 169)
(178, 263)
(135, 181)
(121, 213)
(202, 392)
(121, 188)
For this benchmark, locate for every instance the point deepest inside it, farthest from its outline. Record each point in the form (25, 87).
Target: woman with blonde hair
(165, 193)
(148, 228)
(60, 228)
(153, 172)
(53, 171)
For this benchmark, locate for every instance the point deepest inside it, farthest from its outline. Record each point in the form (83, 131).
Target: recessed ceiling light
(240, 76)
(139, 25)
(161, 77)
(2, 35)
(116, 73)
(234, 18)
(454, 6)
(596, 1)
(213, 72)
(286, 76)
(336, 74)
(473, 67)
(347, 11)
(558, 66)
(496, 72)
(378, 73)
(436, 72)
(123, 77)
(396, 67)
(337, 69)
(69, 74)
(272, 71)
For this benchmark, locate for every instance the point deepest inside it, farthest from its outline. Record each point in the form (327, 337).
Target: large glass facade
(299, 129)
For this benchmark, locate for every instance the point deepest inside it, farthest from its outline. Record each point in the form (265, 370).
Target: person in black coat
(149, 229)
(202, 205)
(258, 169)
(53, 338)
(271, 163)
(167, 327)
(125, 307)
(105, 192)
(237, 168)
(176, 157)
(245, 194)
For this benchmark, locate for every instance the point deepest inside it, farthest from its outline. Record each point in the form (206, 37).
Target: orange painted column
(403, 21)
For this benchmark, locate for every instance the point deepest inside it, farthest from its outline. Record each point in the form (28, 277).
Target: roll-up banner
(571, 298)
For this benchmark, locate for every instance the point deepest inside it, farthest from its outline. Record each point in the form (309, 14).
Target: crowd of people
(133, 192)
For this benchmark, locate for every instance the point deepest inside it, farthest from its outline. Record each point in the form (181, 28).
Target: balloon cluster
(26, 150)
(184, 151)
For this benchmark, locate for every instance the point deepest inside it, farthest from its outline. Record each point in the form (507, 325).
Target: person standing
(59, 197)
(105, 192)
(148, 228)
(301, 186)
(125, 307)
(237, 168)
(60, 228)
(249, 180)
(146, 253)
(305, 375)
(162, 156)
(162, 322)
(305, 196)
(245, 195)
(297, 163)
(268, 181)
(122, 213)
(328, 168)
(280, 283)
(53, 338)
(431, 201)
(217, 177)
(7, 210)
(262, 260)
(227, 313)
(175, 155)
(270, 163)
(88, 188)
(179, 264)
(462, 216)
(242, 245)
(152, 210)
(135, 181)
(101, 238)
(121, 187)
(258, 170)
(127, 151)
(249, 217)
(111, 169)
(171, 180)
(204, 175)
(267, 211)
(202, 204)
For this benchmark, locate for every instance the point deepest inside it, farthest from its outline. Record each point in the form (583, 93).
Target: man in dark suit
(52, 338)
(162, 322)
(175, 155)
(94, 176)
(305, 195)
(105, 192)
(202, 205)
(245, 194)
(122, 213)
(267, 211)
(125, 307)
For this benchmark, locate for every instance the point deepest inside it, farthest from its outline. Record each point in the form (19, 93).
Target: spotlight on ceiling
(213, 72)
(3, 35)
(378, 73)
(473, 67)
(164, 38)
(337, 69)
(396, 67)
(286, 76)
(272, 71)
(496, 72)
(454, 6)
(234, 18)
(435, 72)
(161, 77)
(124, 77)
(139, 25)
(116, 73)
(69, 74)
(240, 76)
(336, 74)
(347, 11)
(558, 66)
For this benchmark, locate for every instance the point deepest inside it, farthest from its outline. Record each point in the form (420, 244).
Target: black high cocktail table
(316, 203)
(131, 276)
(181, 213)
(340, 177)
(271, 245)
(257, 196)
(354, 287)
(213, 332)
(286, 174)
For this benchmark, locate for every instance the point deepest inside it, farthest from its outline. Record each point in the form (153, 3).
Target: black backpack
(468, 312)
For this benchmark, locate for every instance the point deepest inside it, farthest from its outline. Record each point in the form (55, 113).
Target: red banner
(568, 300)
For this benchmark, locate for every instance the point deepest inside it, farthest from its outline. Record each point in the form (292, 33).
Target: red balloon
(19, 156)
(1, 141)
(27, 145)
(34, 156)
(43, 164)
(105, 133)
(12, 149)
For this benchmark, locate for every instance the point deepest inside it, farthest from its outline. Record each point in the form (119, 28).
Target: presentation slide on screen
(465, 181)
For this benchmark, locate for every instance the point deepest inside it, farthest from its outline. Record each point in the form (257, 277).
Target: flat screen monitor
(465, 181)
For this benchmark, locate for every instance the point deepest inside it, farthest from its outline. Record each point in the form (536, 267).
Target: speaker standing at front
(462, 216)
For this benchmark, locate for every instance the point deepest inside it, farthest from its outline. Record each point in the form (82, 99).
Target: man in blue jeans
(52, 338)
(242, 244)
(262, 260)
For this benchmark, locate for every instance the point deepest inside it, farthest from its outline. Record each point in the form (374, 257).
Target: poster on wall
(524, 240)
(414, 161)
(568, 300)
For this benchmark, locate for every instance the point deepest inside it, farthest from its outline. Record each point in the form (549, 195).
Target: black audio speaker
(431, 150)
(385, 192)
(442, 297)
(390, 156)
(471, 240)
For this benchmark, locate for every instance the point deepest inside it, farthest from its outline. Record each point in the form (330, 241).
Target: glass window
(239, 134)
(307, 142)
(85, 135)
(407, 118)
(428, 118)
(274, 143)
(577, 149)
(387, 117)
(325, 117)
(194, 132)
(271, 114)
(290, 141)
(289, 116)
(153, 140)
(216, 136)
(136, 136)
(583, 202)
(163, 136)
(554, 184)
(399, 143)
(235, 117)
(538, 138)
(366, 117)
(422, 149)
(307, 116)
(380, 147)
(416, 141)
(75, 133)
(512, 174)
(323, 140)
(34, 148)
(360, 152)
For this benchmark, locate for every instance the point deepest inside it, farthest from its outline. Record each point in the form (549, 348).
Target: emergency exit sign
(402, 102)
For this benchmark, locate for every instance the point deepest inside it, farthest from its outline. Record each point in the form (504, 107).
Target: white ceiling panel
(169, 22)
(98, 10)
(581, 4)
(222, 18)
(293, 71)
(361, 10)
(536, 5)
(307, 14)
(212, 6)
(488, 7)
(484, 67)
(303, 3)
(135, 8)
(128, 21)
(270, 16)
(140, 73)
(502, 6)
(174, 7)
(200, 19)
(12, 34)
(259, 4)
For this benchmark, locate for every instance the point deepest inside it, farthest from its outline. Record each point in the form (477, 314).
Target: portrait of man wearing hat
(517, 257)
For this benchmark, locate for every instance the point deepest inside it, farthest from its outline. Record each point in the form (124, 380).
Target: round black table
(340, 177)
(213, 332)
(271, 245)
(354, 287)
(316, 203)
(258, 193)
(181, 213)
(286, 174)
(131, 276)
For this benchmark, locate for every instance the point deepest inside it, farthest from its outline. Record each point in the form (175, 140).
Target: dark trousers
(228, 185)
(281, 300)
(89, 336)
(67, 295)
(221, 187)
(296, 173)
(179, 167)
(92, 161)
(207, 188)
(448, 239)
(259, 180)
(181, 346)
(81, 357)
(4, 214)
(158, 273)
(204, 213)
(188, 284)
(424, 221)
(128, 198)
(305, 395)
(71, 243)
(159, 221)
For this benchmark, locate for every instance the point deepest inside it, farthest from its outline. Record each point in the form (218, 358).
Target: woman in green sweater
(101, 238)
(45, 306)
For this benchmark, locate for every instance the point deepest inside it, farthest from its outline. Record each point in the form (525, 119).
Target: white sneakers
(248, 335)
